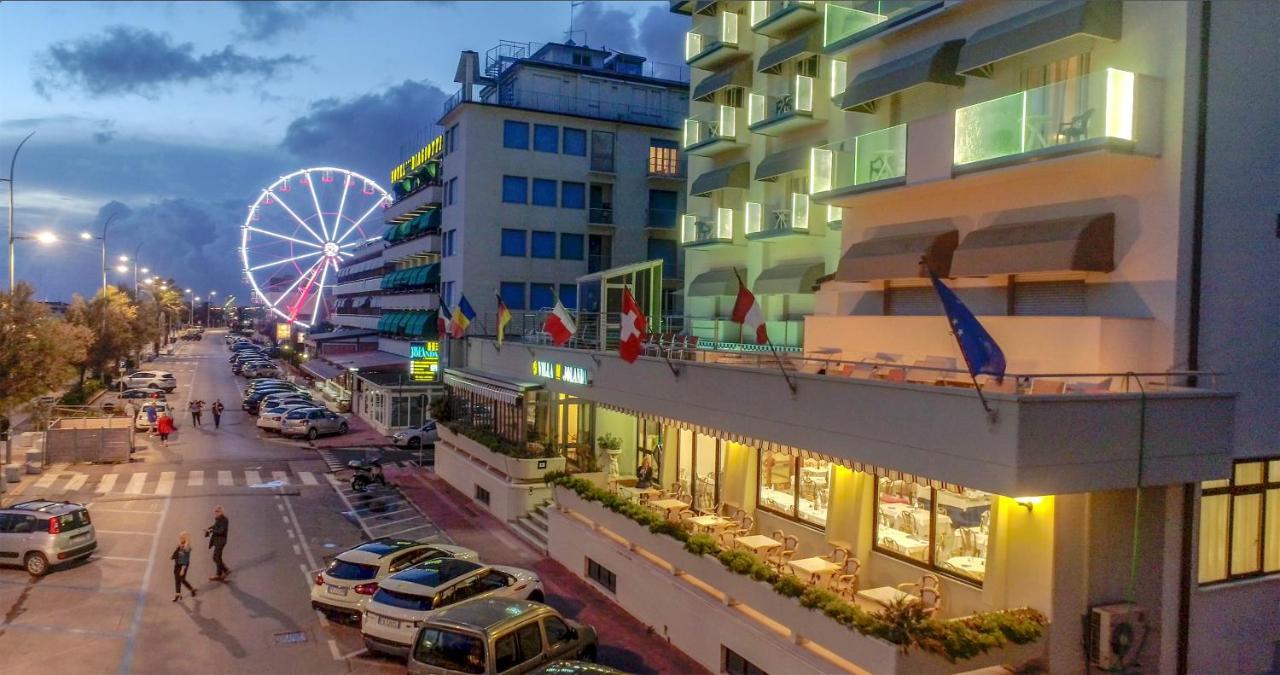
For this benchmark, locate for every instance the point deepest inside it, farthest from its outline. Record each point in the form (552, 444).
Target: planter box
(515, 469)
(869, 653)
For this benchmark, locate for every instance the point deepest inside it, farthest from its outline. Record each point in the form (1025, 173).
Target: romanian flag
(504, 318)
(462, 318)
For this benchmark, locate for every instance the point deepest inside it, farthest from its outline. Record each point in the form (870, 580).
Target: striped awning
(865, 467)
(488, 386)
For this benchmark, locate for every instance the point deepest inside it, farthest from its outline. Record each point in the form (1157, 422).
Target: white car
(260, 369)
(416, 438)
(351, 578)
(405, 600)
(149, 378)
(272, 419)
(141, 421)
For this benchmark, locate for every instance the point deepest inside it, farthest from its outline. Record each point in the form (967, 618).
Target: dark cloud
(661, 35)
(605, 27)
(260, 21)
(106, 132)
(366, 133)
(655, 33)
(125, 60)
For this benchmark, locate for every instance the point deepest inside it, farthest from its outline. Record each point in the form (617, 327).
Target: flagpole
(991, 414)
(790, 384)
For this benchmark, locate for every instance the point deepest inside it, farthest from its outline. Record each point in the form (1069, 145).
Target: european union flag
(981, 353)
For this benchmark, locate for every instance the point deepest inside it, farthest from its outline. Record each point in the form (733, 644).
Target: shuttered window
(911, 301)
(1048, 298)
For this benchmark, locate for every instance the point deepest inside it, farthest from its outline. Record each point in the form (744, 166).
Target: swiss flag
(559, 325)
(746, 311)
(633, 327)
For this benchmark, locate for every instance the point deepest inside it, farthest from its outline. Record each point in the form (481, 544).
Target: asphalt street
(115, 612)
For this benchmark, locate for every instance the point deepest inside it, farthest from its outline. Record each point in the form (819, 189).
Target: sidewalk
(625, 643)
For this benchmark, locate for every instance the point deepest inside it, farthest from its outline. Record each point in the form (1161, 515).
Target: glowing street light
(124, 258)
(146, 270)
(86, 236)
(46, 237)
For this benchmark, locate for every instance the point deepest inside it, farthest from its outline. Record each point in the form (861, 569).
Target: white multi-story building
(1095, 180)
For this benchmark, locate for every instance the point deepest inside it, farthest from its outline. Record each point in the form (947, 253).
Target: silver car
(38, 534)
(312, 423)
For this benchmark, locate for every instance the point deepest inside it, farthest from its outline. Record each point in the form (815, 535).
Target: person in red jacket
(164, 427)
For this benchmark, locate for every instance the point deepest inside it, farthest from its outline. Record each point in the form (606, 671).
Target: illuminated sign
(418, 158)
(424, 361)
(282, 332)
(559, 371)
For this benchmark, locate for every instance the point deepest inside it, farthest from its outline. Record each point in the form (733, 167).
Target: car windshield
(341, 569)
(417, 603)
(296, 415)
(450, 650)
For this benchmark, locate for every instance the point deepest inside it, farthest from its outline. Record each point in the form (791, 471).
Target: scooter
(366, 475)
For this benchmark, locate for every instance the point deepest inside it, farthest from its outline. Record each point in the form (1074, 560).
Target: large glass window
(571, 246)
(544, 244)
(665, 250)
(1240, 522)
(514, 243)
(664, 158)
(512, 293)
(940, 529)
(515, 189)
(573, 195)
(515, 135)
(663, 207)
(602, 151)
(546, 138)
(544, 192)
(575, 142)
(795, 487)
(542, 296)
(569, 296)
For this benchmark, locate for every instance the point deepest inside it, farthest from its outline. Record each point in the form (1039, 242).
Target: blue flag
(981, 353)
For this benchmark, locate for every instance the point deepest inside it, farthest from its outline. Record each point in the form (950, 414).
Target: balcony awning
(795, 159)
(1038, 27)
(370, 360)
(896, 253)
(733, 75)
(792, 277)
(713, 283)
(808, 42)
(1074, 244)
(341, 333)
(732, 176)
(935, 64)
(488, 385)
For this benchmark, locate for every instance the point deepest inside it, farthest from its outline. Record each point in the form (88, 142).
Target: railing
(668, 116)
(700, 230)
(660, 218)
(723, 31)
(359, 276)
(763, 10)
(787, 215)
(1094, 106)
(451, 103)
(763, 107)
(508, 53)
(358, 311)
(603, 215)
(844, 20)
(868, 158)
(720, 124)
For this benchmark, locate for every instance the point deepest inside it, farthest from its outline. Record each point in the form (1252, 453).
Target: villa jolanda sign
(559, 371)
(424, 361)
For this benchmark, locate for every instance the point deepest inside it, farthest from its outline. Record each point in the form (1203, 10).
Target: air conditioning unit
(1115, 633)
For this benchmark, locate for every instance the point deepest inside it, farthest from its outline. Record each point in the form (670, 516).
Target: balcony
(697, 231)
(785, 218)
(773, 114)
(429, 244)
(778, 18)
(429, 196)
(660, 219)
(712, 133)
(844, 25)
(368, 321)
(713, 43)
(364, 285)
(428, 300)
(865, 162)
(787, 335)
(1102, 110)
(600, 215)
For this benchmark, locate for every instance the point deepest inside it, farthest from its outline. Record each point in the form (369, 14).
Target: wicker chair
(845, 581)
(929, 590)
(779, 557)
(839, 555)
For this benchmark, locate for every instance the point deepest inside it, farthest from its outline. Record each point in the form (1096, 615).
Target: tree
(37, 350)
(110, 319)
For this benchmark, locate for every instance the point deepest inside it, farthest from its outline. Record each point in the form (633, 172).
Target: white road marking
(122, 532)
(333, 649)
(224, 478)
(297, 550)
(308, 478)
(195, 479)
(411, 529)
(136, 481)
(77, 481)
(395, 522)
(107, 483)
(252, 477)
(126, 663)
(46, 481)
(291, 535)
(165, 486)
(280, 476)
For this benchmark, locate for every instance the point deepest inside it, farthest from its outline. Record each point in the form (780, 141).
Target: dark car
(250, 402)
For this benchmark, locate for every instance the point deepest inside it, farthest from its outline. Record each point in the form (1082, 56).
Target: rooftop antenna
(568, 36)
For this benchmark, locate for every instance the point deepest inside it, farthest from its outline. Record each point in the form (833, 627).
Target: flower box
(516, 469)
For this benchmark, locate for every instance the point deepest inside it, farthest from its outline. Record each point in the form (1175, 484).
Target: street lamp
(40, 237)
(209, 308)
(88, 237)
(12, 163)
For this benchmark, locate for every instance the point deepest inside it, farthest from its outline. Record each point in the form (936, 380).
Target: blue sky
(175, 114)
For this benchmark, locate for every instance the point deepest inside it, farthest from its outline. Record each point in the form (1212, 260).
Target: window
(573, 195)
(664, 157)
(512, 293)
(541, 296)
(546, 138)
(570, 246)
(515, 243)
(515, 189)
(602, 151)
(449, 191)
(601, 575)
(515, 135)
(575, 142)
(448, 292)
(544, 244)
(663, 205)
(795, 487)
(447, 243)
(665, 250)
(557, 630)
(451, 139)
(569, 296)
(734, 664)
(544, 192)
(450, 650)
(1240, 522)
(513, 649)
(939, 529)
(1047, 298)
(698, 459)
(482, 495)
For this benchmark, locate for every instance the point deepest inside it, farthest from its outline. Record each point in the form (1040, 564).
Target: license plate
(389, 623)
(337, 590)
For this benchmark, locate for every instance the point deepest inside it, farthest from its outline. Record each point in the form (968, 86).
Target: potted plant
(611, 447)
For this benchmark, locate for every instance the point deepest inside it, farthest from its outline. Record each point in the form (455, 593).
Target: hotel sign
(424, 361)
(282, 332)
(559, 371)
(418, 158)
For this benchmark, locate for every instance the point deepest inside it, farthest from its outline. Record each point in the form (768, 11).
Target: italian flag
(746, 311)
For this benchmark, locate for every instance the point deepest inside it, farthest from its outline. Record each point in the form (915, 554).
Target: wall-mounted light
(1028, 502)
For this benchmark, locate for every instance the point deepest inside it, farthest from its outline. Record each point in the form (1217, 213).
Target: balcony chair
(683, 517)
(690, 347)
(1075, 130)
(1043, 386)
(676, 347)
(928, 592)
(845, 581)
(838, 555)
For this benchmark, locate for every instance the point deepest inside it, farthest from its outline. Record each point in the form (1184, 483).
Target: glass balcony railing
(720, 124)
(722, 32)
(846, 19)
(1091, 107)
(789, 215)
(869, 158)
(797, 99)
(763, 11)
(696, 230)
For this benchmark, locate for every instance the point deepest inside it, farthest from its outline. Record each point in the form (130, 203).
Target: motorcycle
(366, 475)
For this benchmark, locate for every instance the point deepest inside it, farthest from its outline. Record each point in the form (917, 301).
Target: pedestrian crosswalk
(56, 481)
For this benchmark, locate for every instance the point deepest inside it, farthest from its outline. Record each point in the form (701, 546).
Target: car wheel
(414, 443)
(312, 434)
(342, 428)
(37, 565)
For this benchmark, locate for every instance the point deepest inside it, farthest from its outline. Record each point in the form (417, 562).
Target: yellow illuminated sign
(424, 361)
(282, 332)
(418, 158)
(559, 371)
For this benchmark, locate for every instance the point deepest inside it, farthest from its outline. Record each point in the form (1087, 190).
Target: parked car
(271, 419)
(351, 578)
(269, 403)
(260, 369)
(142, 423)
(251, 401)
(313, 423)
(406, 599)
(415, 438)
(156, 379)
(498, 635)
(142, 393)
(40, 533)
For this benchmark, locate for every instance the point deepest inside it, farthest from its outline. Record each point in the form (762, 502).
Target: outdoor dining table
(669, 505)
(638, 494)
(884, 595)
(757, 542)
(909, 544)
(710, 523)
(816, 565)
(969, 564)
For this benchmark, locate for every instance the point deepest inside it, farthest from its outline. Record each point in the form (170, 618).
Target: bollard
(12, 473)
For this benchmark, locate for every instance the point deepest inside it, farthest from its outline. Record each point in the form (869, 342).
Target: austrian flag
(746, 311)
(559, 325)
(632, 331)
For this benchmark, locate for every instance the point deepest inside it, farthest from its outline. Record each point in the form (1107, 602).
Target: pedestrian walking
(164, 427)
(181, 558)
(194, 408)
(217, 413)
(151, 420)
(217, 534)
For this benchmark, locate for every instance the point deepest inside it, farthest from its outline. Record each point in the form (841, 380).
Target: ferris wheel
(299, 231)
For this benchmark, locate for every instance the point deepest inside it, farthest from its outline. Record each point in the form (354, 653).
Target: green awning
(419, 277)
(432, 277)
(1040, 26)
(732, 176)
(734, 75)
(808, 42)
(383, 321)
(403, 322)
(792, 277)
(431, 220)
(934, 64)
(786, 161)
(714, 283)
(387, 280)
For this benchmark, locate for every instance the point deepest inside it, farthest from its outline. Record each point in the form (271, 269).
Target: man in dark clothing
(217, 534)
(217, 413)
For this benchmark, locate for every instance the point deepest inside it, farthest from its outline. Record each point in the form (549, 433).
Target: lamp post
(193, 306)
(209, 308)
(13, 163)
(86, 236)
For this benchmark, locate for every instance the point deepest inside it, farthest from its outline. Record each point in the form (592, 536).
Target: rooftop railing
(666, 116)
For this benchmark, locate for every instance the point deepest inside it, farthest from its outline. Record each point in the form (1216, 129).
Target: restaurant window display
(651, 446)
(698, 468)
(795, 487)
(941, 529)
(1239, 516)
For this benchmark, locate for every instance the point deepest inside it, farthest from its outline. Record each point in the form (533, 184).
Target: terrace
(713, 42)
(710, 133)
(707, 231)
(778, 18)
(777, 110)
